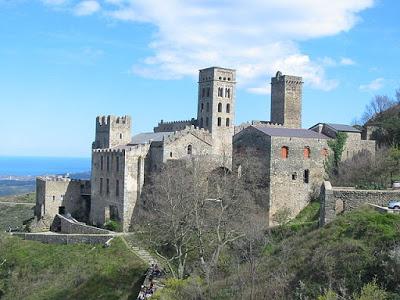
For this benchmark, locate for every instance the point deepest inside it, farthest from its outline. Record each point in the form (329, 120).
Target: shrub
(113, 225)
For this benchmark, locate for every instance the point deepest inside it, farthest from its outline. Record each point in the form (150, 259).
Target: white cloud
(374, 85)
(256, 37)
(85, 8)
(345, 61)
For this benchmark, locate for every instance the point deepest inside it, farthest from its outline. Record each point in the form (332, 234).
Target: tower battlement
(107, 120)
(112, 131)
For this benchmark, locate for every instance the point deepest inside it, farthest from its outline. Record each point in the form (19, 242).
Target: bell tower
(216, 106)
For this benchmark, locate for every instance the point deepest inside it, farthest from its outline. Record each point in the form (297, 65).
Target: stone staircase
(148, 259)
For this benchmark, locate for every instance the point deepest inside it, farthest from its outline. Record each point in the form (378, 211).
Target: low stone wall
(59, 238)
(71, 227)
(336, 200)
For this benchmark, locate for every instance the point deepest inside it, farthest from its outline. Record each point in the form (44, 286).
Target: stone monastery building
(291, 158)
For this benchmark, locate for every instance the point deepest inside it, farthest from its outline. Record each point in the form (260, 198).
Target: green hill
(357, 256)
(32, 270)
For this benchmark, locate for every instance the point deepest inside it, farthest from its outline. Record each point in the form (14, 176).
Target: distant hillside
(32, 270)
(14, 215)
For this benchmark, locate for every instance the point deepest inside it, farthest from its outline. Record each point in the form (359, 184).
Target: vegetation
(22, 198)
(14, 215)
(32, 270)
(357, 256)
(113, 225)
(337, 147)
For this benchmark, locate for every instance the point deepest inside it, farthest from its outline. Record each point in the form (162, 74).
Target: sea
(36, 166)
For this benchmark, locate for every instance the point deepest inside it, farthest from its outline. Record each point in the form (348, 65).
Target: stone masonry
(337, 200)
(291, 159)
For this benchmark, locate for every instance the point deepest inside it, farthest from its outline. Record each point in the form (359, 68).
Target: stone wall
(72, 227)
(57, 238)
(294, 180)
(112, 131)
(117, 183)
(285, 185)
(53, 193)
(174, 125)
(336, 200)
(286, 99)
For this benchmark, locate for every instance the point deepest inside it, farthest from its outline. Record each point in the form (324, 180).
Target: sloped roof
(146, 137)
(291, 132)
(343, 127)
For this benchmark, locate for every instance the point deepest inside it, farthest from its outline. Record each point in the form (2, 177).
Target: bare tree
(378, 104)
(194, 208)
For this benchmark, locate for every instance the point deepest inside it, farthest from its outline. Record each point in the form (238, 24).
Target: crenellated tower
(112, 131)
(286, 98)
(216, 106)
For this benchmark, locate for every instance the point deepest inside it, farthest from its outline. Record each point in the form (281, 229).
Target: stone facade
(355, 143)
(62, 195)
(337, 200)
(174, 125)
(292, 166)
(122, 163)
(216, 107)
(286, 100)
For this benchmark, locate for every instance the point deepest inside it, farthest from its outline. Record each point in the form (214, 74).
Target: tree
(378, 104)
(192, 212)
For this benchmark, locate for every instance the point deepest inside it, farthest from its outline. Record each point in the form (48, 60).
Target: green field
(32, 270)
(14, 215)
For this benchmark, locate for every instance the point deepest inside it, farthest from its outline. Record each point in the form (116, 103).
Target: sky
(63, 62)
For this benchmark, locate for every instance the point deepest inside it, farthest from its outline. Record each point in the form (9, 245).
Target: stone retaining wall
(336, 200)
(72, 227)
(59, 238)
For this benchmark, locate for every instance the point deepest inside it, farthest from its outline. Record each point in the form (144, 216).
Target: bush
(113, 225)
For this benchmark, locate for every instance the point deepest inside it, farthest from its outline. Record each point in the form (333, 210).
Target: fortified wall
(336, 200)
(57, 194)
(174, 125)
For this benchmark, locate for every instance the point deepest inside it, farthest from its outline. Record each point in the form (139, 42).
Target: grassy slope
(14, 215)
(23, 198)
(346, 254)
(33, 270)
(302, 262)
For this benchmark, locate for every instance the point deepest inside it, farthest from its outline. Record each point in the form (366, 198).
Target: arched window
(220, 107)
(228, 108)
(202, 106)
(170, 154)
(227, 93)
(220, 92)
(208, 107)
(227, 122)
(307, 152)
(203, 92)
(208, 92)
(120, 136)
(219, 121)
(189, 149)
(207, 122)
(285, 152)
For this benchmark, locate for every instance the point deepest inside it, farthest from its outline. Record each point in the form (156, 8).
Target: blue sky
(62, 62)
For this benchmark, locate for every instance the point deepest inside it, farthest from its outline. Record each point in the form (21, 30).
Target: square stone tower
(286, 97)
(112, 131)
(216, 106)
